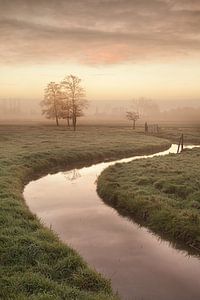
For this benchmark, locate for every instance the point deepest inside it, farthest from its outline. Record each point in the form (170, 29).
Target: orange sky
(121, 49)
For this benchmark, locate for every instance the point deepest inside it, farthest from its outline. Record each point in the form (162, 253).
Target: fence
(152, 128)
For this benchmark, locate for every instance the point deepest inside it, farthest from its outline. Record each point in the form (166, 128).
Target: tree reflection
(72, 174)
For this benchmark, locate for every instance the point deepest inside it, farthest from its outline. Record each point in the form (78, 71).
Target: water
(141, 266)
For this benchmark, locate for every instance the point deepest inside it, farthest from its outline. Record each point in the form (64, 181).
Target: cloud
(98, 31)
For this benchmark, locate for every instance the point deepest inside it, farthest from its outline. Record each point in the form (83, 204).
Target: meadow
(161, 193)
(190, 132)
(35, 264)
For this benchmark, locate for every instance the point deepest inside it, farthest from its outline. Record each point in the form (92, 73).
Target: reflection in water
(72, 174)
(140, 265)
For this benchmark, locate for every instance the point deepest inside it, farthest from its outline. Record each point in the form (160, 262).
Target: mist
(104, 111)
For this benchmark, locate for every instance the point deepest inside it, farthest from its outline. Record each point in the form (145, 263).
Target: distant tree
(145, 107)
(74, 99)
(132, 116)
(52, 102)
(66, 111)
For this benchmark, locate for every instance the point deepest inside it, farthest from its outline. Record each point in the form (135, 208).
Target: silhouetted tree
(52, 102)
(74, 98)
(132, 116)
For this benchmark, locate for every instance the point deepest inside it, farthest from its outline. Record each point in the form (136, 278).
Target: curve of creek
(140, 265)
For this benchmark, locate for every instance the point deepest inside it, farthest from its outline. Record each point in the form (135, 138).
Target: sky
(122, 49)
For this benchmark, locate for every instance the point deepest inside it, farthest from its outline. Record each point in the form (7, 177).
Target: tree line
(65, 100)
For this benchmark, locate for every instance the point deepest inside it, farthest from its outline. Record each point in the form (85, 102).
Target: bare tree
(52, 102)
(145, 107)
(75, 97)
(132, 116)
(66, 111)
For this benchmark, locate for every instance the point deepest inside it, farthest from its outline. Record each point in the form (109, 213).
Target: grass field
(191, 133)
(34, 263)
(162, 193)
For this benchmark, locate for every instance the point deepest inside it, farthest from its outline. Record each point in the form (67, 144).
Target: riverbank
(161, 193)
(34, 263)
(110, 243)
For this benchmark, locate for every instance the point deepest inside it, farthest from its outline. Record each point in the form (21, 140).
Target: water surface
(141, 266)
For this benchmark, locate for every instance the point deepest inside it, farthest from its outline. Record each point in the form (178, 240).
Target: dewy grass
(34, 263)
(162, 193)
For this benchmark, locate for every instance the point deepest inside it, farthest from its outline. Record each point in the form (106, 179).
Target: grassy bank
(162, 193)
(34, 263)
(191, 134)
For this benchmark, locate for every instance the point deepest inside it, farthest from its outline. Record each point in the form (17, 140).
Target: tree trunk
(68, 123)
(57, 124)
(55, 110)
(133, 124)
(74, 123)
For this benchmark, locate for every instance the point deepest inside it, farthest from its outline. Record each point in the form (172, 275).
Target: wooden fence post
(180, 144)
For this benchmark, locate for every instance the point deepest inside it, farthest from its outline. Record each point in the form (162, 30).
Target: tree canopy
(52, 102)
(132, 116)
(65, 100)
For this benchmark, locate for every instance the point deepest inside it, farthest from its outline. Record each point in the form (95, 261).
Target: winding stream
(141, 266)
